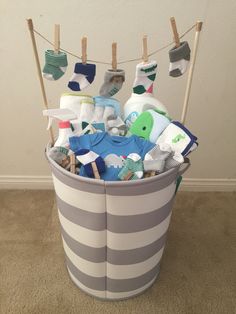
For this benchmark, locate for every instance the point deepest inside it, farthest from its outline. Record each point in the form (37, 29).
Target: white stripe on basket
(115, 241)
(126, 241)
(87, 201)
(96, 239)
(112, 271)
(139, 204)
(107, 294)
(87, 267)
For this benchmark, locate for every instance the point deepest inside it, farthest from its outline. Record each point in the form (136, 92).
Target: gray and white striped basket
(114, 233)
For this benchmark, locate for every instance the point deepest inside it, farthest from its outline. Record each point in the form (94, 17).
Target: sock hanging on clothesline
(144, 78)
(82, 77)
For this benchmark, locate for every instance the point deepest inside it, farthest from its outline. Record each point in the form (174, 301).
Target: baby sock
(179, 59)
(116, 126)
(144, 78)
(174, 160)
(109, 111)
(132, 169)
(86, 157)
(83, 76)
(98, 113)
(86, 110)
(113, 82)
(59, 155)
(159, 153)
(154, 165)
(55, 65)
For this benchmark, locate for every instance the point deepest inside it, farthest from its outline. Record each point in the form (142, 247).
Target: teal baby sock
(145, 76)
(55, 65)
(133, 168)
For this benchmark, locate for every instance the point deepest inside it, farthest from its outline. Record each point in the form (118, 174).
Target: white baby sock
(98, 114)
(174, 160)
(87, 110)
(144, 78)
(109, 111)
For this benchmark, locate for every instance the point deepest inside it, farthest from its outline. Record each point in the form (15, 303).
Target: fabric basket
(114, 233)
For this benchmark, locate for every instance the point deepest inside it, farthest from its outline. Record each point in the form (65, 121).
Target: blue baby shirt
(113, 149)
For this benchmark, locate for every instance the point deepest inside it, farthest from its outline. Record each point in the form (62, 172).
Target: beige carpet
(197, 274)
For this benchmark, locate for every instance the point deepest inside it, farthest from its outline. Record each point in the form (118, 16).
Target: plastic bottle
(138, 103)
(64, 133)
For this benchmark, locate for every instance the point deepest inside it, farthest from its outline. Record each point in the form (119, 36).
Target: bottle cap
(64, 124)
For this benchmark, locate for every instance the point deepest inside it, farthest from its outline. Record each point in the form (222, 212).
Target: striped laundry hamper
(114, 233)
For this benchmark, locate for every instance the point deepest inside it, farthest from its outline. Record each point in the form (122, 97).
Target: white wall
(211, 114)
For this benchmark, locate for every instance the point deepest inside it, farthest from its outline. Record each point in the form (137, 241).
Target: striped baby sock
(55, 65)
(86, 157)
(113, 82)
(179, 59)
(83, 76)
(144, 78)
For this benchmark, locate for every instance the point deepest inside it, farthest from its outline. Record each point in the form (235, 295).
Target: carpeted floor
(197, 272)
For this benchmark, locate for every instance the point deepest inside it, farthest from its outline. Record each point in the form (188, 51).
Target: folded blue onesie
(113, 149)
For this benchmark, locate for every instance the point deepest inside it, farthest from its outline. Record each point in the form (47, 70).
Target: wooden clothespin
(128, 176)
(145, 50)
(84, 50)
(57, 38)
(95, 170)
(114, 58)
(72, 163)
(175, 32)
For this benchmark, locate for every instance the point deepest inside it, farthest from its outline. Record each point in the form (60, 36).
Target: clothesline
(120, 62)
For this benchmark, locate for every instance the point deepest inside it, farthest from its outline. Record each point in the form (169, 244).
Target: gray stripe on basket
(141, 187)
(114, 223)
(93, 221)
(141, 222)
(115, 257)
(112, 285)
(79, 183)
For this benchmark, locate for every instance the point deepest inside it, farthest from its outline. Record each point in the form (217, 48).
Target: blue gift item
(113, 149)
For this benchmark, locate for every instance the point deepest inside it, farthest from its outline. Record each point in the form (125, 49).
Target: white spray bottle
(63, 116)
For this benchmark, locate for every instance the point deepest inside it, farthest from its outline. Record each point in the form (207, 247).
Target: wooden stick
(95, 170)
(114, 59)
(57, 38)
(72, 163)
(190, 74)
(128, 176)
(174, 29)
(145, 50)
(84, 50)
(31, 30)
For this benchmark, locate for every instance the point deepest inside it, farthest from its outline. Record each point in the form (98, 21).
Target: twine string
(120, 62)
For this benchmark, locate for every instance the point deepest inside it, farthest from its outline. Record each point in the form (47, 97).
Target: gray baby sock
(60, 155)
(116, 126)
(174, 160)
(179, 59)
(113, 82)
(157, 155)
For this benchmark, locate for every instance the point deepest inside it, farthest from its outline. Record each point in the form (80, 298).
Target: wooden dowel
(31, 30)
(175, 32)
(95, 170)
(190, 74)
(72, 163)
(114, 58)
(145, 50)
(84, 50)
(57, 38)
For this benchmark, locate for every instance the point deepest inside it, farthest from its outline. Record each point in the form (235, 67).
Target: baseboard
(188, 184)
(208, 185)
